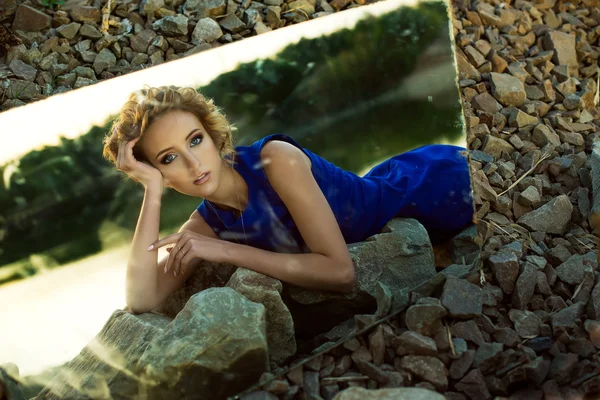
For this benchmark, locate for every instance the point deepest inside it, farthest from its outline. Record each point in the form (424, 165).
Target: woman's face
(182, 150)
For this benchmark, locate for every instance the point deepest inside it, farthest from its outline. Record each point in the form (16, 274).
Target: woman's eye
(197, 139)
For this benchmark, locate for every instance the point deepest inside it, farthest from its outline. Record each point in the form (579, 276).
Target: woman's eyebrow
(186, 138)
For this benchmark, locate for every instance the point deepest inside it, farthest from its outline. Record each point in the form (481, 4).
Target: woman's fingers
(178, 262)
(171, 239)
(173, 263)
(125, 158)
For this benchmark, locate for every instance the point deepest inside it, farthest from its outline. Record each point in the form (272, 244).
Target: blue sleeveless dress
(430, 183)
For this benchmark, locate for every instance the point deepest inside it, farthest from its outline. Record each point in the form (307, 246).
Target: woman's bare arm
(328, 266)
(141, 277)
(147, 286)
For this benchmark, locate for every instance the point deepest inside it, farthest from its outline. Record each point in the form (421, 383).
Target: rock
(461, 365)
(525, 287)
(563, 45)
(23, 90)
(68, 31)
(376, 345)
(507, 89)
(593, 329)
(89, 31)
(9, 382)
(22, 70)
(149, 7)
(259, 395)
(540, 344)
(206, 31)
(473, 385)
(530, 197)
(486, 102)
(507, 337)
(519, 119)
(214, 323)
(482, 186)
(542, 136)
(140, 42)
(567, 317)
(572, 271)
(552, 217)
(96, 370)
(465, 69)
(562, 365)
(573, 102)
(265, 290)
(29, 19)
(496, 146)
(81, 82)
(487, 356)
(171, 25)
(582, 347)
(377, 261)
(527, 324)
(232, 24)
(425, 318)
(595, 172)
(427, 368)
(505, 267)
(461, 298)
(414, 343)
(200, 9)
(104, 60)
(358, 393)
(86, 14)
(468, 330)
(593, 307)
(537, 370)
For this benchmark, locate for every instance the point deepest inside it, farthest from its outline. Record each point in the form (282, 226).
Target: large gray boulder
(399, 257)
(265, 290)
(214, 348)
(103, 368)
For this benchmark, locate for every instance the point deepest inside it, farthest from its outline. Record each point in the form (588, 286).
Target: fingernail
(165, 270)
(150, 247)
(175, 273)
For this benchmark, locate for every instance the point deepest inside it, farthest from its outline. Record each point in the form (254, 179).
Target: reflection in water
(355, 98)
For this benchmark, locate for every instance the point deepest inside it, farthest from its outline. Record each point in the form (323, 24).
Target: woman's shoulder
(254, 153)
(261, 143)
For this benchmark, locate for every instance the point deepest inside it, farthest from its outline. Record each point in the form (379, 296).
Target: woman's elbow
(136, 307)
(348, 279)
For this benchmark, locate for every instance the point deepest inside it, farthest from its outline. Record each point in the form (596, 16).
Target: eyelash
(164, 160)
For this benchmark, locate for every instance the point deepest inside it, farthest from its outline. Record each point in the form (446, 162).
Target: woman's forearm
(142, 274)
(308, 270)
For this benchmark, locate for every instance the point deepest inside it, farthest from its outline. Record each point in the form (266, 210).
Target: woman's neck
(232, 193)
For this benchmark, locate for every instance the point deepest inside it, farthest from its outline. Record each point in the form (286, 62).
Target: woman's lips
(204, 179)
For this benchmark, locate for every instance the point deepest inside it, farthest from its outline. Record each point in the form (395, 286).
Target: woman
(272, 207)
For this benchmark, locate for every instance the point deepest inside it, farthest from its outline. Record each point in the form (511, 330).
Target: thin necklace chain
(240, 208)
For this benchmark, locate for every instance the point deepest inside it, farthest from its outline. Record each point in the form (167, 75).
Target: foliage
(52, 3)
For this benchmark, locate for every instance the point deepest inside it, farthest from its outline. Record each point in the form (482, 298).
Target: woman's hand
(190, 246)
(139, 171)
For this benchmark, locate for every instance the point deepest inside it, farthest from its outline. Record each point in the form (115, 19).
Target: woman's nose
(193, 163)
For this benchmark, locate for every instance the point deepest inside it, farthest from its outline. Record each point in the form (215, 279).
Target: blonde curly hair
(146, 105)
